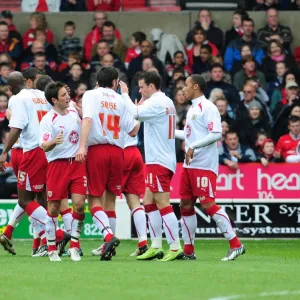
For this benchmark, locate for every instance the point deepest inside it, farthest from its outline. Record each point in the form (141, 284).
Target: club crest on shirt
(188, 130)
(194, 117)
(210, 126)
(46, 137)
(49, 194)
(74, 137)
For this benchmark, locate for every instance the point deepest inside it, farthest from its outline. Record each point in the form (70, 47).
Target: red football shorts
(158, 178)
(33, 170)
(64, 176)
(104, 165)
(133, 172)
(196, 183)
(16, 159)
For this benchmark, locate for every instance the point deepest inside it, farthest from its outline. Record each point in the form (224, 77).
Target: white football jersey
(202, 118)
(111, 120)
(159, 114)
(12, 106)
(52, 124)
(130, 141)
(31, 107)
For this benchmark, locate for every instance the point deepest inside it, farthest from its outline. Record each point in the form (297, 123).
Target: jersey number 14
(112, 124)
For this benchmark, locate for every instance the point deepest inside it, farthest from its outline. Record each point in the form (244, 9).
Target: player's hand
(189, 156)
(264, 162)
(276, 154)
(123, 87)
(137, 102)
(59, 138)
(3, 158)
(235, 154)
(8, 114)
(80, 155)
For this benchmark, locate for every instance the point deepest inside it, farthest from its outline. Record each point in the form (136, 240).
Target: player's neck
(197, 95)
(62, 112)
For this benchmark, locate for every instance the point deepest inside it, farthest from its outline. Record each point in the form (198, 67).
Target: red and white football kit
(106, 140)
(287, 145)
(32, 106)
(64, 173)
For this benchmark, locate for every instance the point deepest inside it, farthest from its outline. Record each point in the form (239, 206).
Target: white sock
(154, 225)
(189, 226)
(16, 216)
(112, 217)
(101, 220)
(171, 229)
(139, 219)
(77, 223)
(67, 219)
(37, 216)
(51, 226)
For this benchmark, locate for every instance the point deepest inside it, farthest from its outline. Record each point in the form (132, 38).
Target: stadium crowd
(252, 74)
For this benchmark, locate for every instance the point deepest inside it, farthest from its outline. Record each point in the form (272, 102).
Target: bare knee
(54, 208)
(187, 204)
(78, 204)
(207, 205)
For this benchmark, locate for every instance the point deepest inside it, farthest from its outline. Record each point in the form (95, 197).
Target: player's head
(195, 87)
(57, 95)
(30, 76)
(16, 82)
(108, 77)
(42, 81)
(149, 83)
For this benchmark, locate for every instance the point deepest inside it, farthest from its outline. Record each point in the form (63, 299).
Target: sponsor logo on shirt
(118, 187)
(74, 137)
(210, 126)
(188, 131)
(38, 187)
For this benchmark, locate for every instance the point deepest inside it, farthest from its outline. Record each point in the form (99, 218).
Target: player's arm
(135, 130)
(179, 134)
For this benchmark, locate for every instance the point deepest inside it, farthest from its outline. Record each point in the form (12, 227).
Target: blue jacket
(233, 52)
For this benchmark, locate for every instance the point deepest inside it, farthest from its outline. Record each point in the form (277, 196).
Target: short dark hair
(247, 19)
(181, 78)
(39, 54)
(31, 73)
(196, 29)
(247, 59)
(178, 70)
(42, 82)
(5, 64)
(207, 47)
(151, 77)
(106, 76)
(103, 41)
(213, 66)
(3, 23)
(70, 23)
(200, 81)
(178, 52)
(242, 13)
(139, 36)
(4, 94)
(293, 119)
(230, 132)
(52, 90)
(109, 24)
(75, 55)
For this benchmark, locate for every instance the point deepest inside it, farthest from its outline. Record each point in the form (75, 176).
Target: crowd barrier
(261, 203)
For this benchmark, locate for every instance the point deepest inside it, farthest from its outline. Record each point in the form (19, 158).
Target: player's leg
(110, 209)
(66, 214)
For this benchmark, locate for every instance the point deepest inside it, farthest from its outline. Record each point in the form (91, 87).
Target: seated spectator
(232, 152)
(193, 49)
(5, 58)
(212, 33)
(249, 71)
(215, 94)
(40, 62)
(233, 51)
(93, 37)
(236, 30)
(260, 137)
(135, 46)
(5, 70)
(106, 5)
(181, 108)
(273, 27)
(178, 63)
(276, 54)
(6, 89)
(3, 106)
(230, 92)
(266, 4)
(69, 43)
(261, 94)
(224, 110)
(267, 153)
(10, 46)
(204, 63)
(177, 73)
(40, 5)
(71, 5)
(116, 45)
(7, 17)
(288, 146)
(37, 19)
(281, 69)
(225, 129)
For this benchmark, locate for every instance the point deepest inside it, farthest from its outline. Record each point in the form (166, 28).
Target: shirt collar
(198, 100)
(156, 94)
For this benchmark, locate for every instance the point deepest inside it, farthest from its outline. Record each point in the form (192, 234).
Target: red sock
(9, 231)
(108, 237)
(235, 243)
(74, 244)
(36, 243)
(142, 244)
(43, 241)
(188, 249)
(52, 248)
(59, 235)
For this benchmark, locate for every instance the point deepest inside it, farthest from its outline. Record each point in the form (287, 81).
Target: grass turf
(268, 266)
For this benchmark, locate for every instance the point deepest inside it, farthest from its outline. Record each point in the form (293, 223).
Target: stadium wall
(177, 23)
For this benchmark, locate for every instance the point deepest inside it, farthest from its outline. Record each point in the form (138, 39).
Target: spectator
(267, 153)
(93, 37)
(237, 64)
(296, 5)
(7, 17)
(179, 63)
(181, 108)
(225, 129)
(69, 43)
(37, 19)
(6, 89)
(249, 71)
(260, 137)
(288, 145)
(105, 5)
(222, 104)
(40, 62)
(135, 46)
(116, 45)
(215, 94)
(230, 92)
(72, 5)
(233, 51)
(232, 152)
(8, 45)
(193, 49)
(204, 63)
(5, 70)
(212, 33)
(266, 4)
(81, 88)
(3, 105)
(177, 73)
(236, 30)
(261, 94)
(4, 57)
(281, 69)
(273, 27)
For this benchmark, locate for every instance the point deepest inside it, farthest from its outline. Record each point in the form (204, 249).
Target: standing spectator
(37, 19)
(69, 43)
(204, 63)
(233, 51)
(7, 17)
(213, 34)
(8, 45)
(273, 27)
(40, 62)
(105, 5)
(3, 105)
(5, 70)
(40, 5)
(135, 46)
(179, 63)
(266, 4)
(223, 108)
(93, 37)
(236, 30)
(72, 5)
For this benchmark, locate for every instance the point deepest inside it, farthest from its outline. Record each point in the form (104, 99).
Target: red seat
(12, 5)
(153, 8)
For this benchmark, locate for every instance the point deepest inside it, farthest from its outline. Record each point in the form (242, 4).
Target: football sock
(154, 225)
(16, 216)
(112, 217)
(188, 226)
(139, 219)
(67, 219)
(51, 225)
(101, 220)
(77, 224)
(37, 216)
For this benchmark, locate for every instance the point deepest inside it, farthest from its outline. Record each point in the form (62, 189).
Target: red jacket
(28, 37)
(114, 5)
(286, 145)
(92, 39)
(131, 54)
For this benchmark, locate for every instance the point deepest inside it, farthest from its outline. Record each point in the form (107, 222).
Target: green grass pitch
(269, 270)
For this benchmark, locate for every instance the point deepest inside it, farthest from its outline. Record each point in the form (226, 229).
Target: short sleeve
(127, 121)
(212, 119)
(45, 131)
(150, 112)
(87, 107)
(19, 118)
